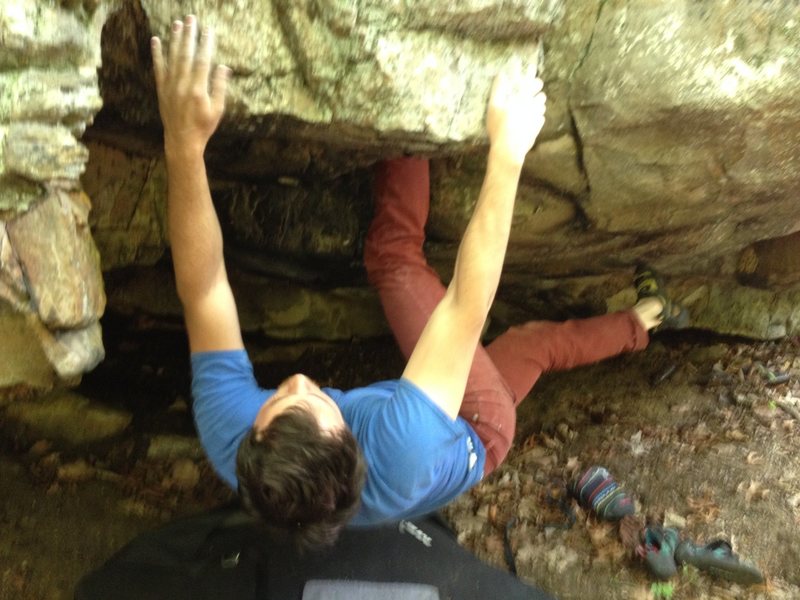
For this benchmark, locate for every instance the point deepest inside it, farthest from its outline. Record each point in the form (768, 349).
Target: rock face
(51, 288)
(672, 135)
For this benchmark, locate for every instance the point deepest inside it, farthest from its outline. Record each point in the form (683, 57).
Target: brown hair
(301, 482)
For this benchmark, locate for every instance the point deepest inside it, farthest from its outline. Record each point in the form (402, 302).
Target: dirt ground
(701, 432)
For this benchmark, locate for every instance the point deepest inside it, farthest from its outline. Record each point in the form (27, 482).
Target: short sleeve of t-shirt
(418, 458)
(226, 400)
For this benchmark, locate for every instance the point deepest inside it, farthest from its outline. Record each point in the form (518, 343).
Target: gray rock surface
(334, 63)
(128, 217)
(279, 309)
(691, 131)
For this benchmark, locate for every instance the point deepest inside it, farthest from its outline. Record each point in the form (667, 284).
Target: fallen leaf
(754, 458)
(755, 491)
(573, 464)
(736, 436)
(494, 545)
(551, 442)
(612, 552)
(600, 534)
(630, 529)
(703, 509)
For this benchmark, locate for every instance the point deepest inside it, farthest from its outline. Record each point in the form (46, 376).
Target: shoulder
(410, 404)
(221, 372)
(396, 421)
(225, 378)
(395, 403)
(221, 363)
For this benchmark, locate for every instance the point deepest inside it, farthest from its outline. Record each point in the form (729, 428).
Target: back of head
(300, 481)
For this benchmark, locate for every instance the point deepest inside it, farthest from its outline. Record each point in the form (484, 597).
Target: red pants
(504, 371)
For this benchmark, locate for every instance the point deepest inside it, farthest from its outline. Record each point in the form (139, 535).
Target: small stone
(180, 405)
(76, 471)
(40, 448)
(185, 475)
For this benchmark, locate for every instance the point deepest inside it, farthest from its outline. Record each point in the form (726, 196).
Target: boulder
(51, 287)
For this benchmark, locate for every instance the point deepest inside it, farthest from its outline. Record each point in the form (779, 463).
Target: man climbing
(309, 460)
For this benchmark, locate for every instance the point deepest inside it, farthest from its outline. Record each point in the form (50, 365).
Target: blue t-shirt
(418, 458)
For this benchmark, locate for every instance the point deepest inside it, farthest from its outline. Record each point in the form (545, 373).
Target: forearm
(482, 252)
(190, 113)
(194, 230)
(441, 360)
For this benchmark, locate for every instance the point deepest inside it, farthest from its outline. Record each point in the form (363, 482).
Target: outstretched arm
(441, 360)
(190, 114)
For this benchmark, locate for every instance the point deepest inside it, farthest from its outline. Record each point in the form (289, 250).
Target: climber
(309, 460)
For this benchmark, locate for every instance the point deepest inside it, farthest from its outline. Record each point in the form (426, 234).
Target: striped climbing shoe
(597, 490)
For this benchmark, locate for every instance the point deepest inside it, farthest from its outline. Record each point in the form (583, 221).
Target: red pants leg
(410, 290)
(524, 352)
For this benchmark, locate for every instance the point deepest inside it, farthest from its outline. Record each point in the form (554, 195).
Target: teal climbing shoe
(718, 558)
(658, 550)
